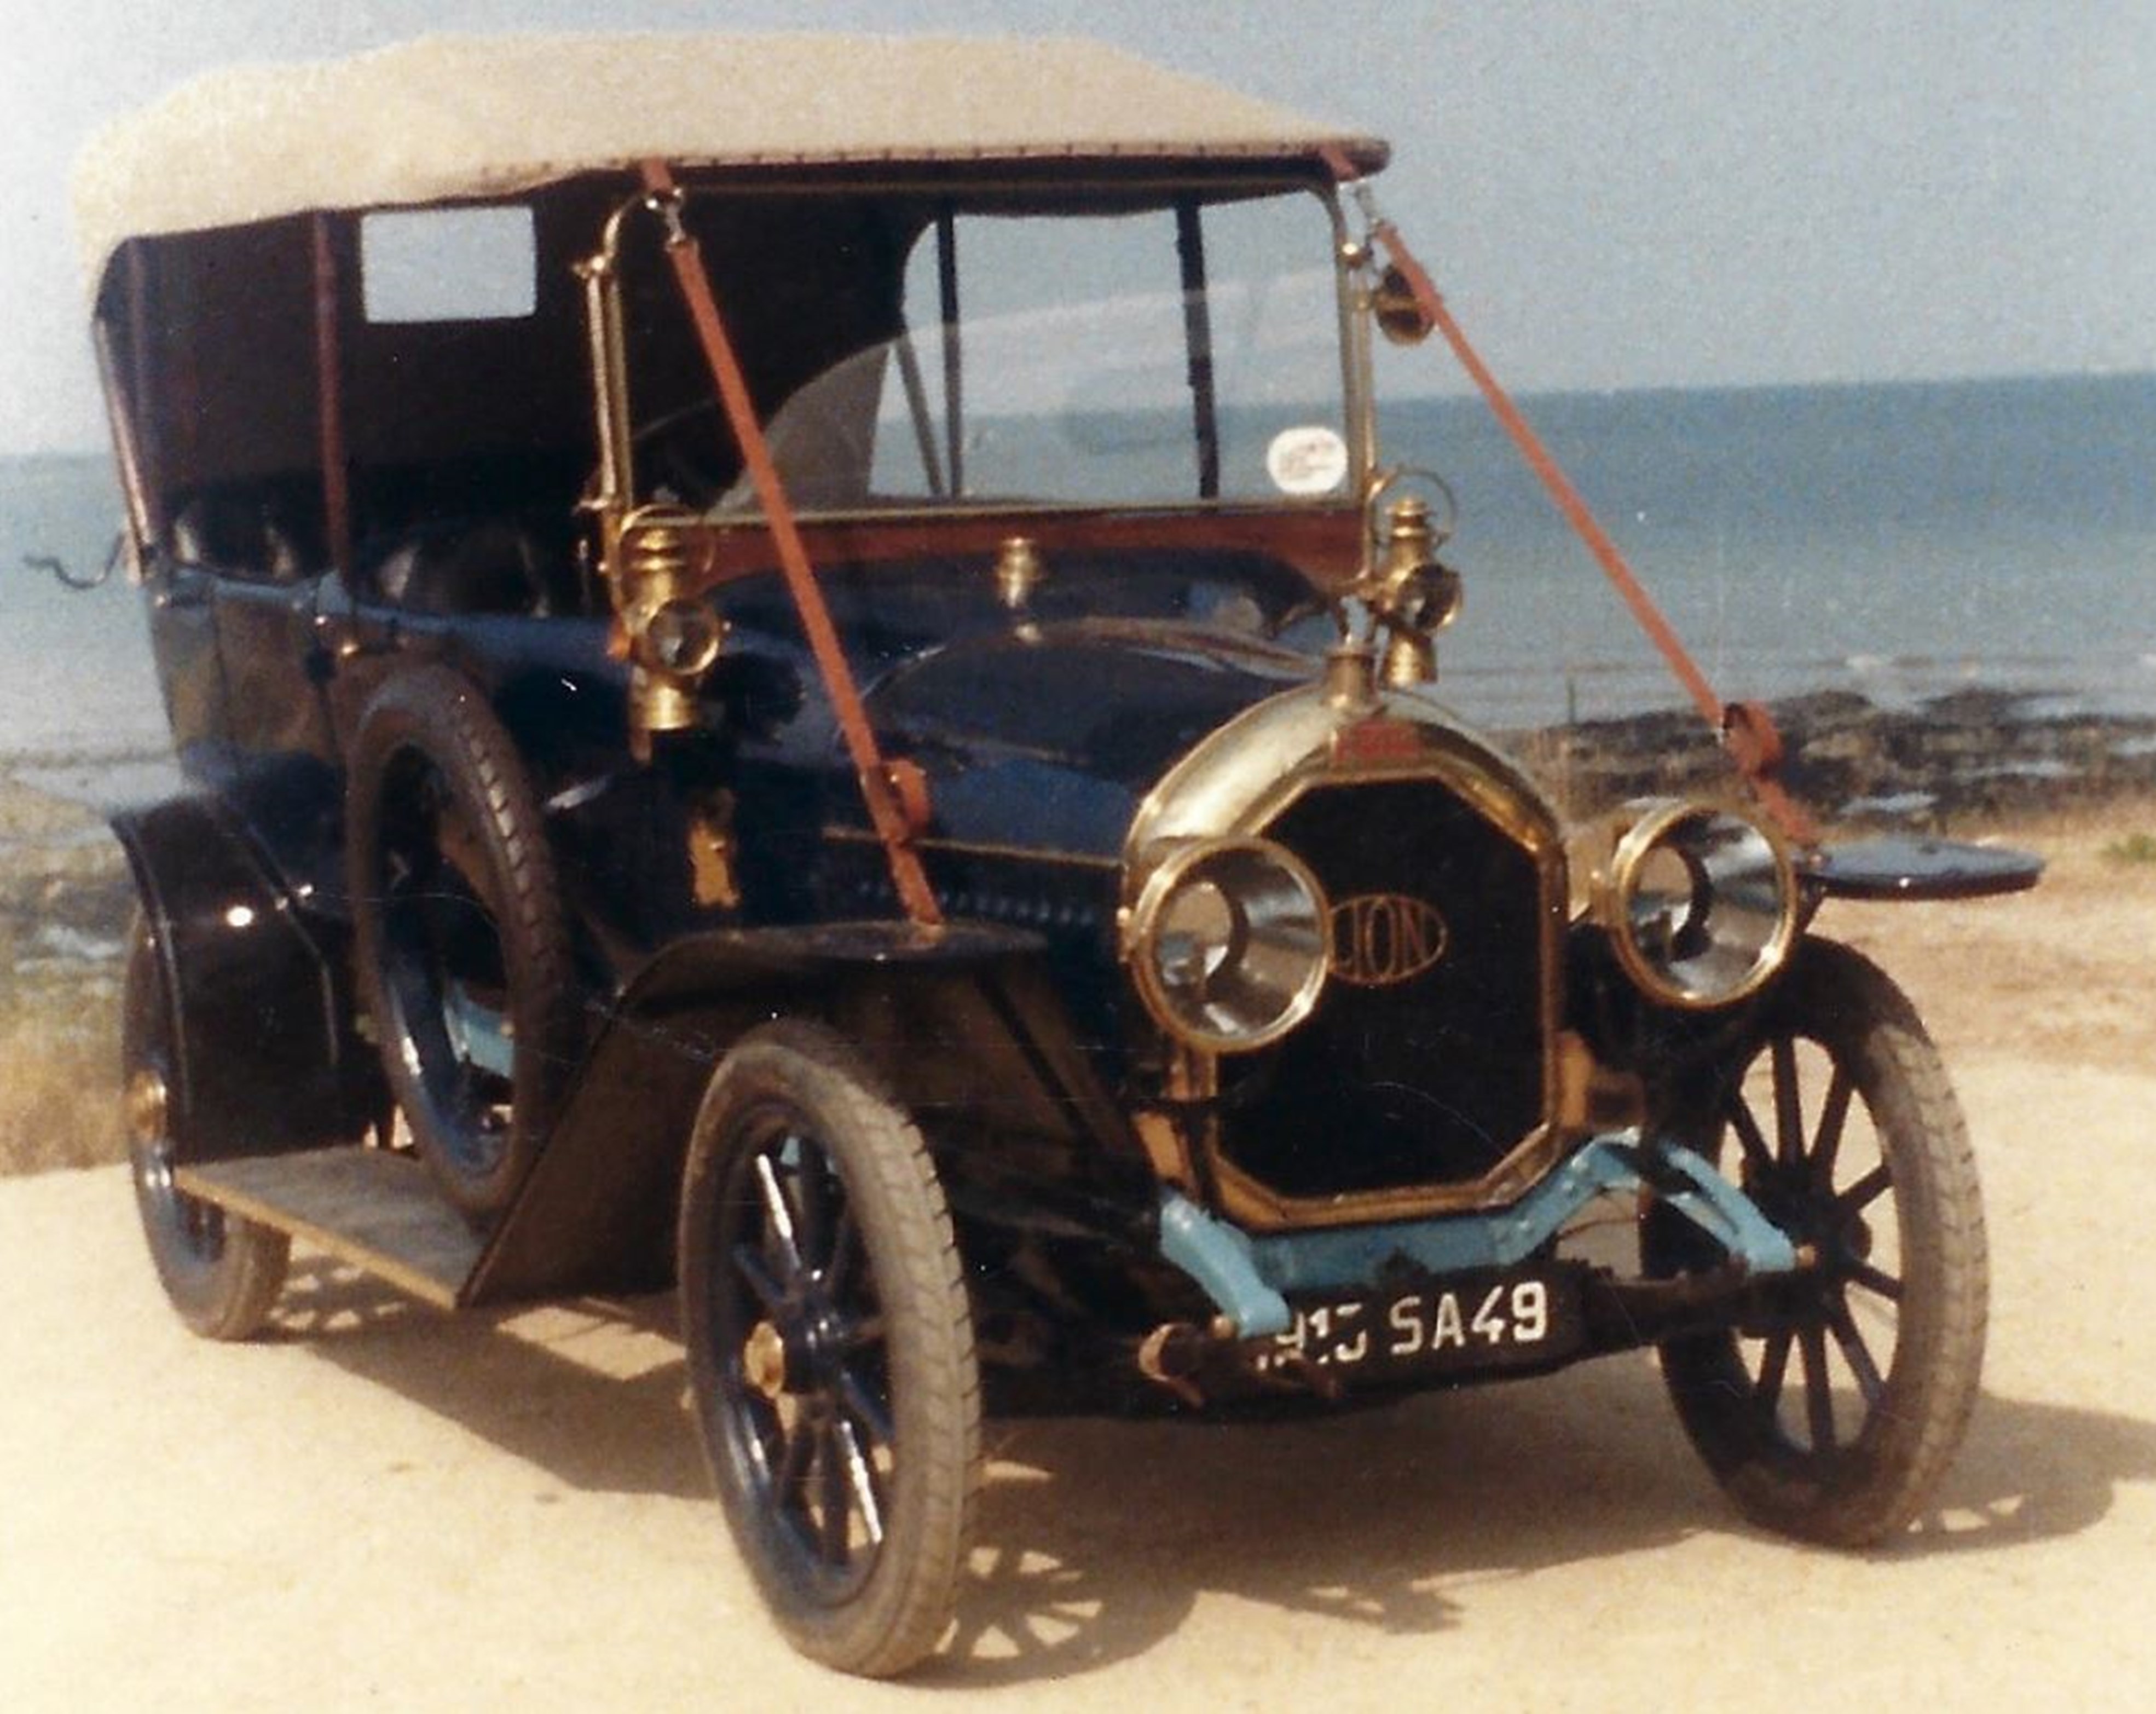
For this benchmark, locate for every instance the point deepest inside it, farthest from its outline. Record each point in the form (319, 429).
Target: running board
(377, 1210)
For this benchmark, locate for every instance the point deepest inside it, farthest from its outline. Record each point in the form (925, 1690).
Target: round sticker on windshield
(1307, 461)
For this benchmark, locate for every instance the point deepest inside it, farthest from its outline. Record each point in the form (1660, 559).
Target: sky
(1612, 193)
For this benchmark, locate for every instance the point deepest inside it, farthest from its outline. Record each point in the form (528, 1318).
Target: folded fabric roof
(450, 117)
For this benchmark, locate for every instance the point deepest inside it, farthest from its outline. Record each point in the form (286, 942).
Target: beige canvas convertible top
(446, 117)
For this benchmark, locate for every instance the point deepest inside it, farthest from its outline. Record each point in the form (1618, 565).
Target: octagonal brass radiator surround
(1242, 782)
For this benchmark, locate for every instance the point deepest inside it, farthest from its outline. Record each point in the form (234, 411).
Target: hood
(1047, 738)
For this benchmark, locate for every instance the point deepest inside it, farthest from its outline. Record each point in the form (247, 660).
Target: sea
(1904, 541)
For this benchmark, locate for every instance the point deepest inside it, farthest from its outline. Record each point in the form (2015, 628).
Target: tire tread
(438, 713)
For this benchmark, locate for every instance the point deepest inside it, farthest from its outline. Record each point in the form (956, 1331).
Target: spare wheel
(464, 958)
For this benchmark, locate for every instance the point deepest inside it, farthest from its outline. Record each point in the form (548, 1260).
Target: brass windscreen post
(601, 274)
(648, 554)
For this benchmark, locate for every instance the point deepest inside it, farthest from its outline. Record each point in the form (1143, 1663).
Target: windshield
(1177, 356)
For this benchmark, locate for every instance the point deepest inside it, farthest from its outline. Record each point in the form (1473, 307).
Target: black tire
(221, 1273)
(830, 1349)
(1847, 1135)
(463, 953)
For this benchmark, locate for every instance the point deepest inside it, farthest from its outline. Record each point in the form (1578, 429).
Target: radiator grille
(1426, 1075)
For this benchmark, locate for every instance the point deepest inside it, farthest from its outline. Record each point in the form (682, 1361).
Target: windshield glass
(1165, 356)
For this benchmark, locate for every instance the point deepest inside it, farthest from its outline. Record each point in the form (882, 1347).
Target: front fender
(964, 1020)
(1917, 869)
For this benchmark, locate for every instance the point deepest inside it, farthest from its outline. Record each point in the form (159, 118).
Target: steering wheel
(688, 463)
(822, 446)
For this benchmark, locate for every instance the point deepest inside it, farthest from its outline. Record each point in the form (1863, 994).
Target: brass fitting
(1410, 659)
(1350, 677)
(764, 1361)
(673, 635)
(1411, 543)
(1415, 596)
(1018, 572)
(1169, 1356)
(1398, 310)
(714, 866)
(147, 1105)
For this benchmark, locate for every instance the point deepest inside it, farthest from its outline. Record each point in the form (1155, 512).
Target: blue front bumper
(1249, 1276)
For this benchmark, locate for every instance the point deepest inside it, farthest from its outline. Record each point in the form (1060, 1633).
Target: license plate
(1463, 1324)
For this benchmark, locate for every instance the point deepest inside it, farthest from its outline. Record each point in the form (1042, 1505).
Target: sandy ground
(384, 1507)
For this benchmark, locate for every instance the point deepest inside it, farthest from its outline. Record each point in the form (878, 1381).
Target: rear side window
(448, 264)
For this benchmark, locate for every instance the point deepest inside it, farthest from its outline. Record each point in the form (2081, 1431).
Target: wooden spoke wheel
(830, 1346)
(1831, 1411)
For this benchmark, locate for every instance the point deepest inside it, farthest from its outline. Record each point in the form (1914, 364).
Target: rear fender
(964, 1021)
(265, 1057)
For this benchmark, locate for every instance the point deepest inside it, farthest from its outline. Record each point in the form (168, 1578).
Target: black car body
(939, 841)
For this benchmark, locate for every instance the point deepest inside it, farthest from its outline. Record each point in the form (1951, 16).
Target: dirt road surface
(383, 1507)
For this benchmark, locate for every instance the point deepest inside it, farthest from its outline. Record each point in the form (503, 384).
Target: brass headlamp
(1228, 944)
(1701, 902)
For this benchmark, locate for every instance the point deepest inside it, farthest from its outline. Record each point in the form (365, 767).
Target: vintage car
(801, 676)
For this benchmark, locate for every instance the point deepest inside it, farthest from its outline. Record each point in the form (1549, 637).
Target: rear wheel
(831, 1349)
(221, 1273)
(1832, 1413)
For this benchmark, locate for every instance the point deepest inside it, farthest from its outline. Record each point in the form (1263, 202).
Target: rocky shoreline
(1963, 764)
(65, 892)
(65, 900)
(1955, 763)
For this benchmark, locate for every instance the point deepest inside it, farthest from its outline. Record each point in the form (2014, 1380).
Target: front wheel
(1832, 1411)
(830, 1349)
(221, 1274)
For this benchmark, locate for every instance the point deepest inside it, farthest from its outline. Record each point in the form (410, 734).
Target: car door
(285, 779)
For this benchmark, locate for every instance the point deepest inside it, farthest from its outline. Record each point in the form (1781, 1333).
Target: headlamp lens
(1230, 945)
(684, 637)
(1702, 905)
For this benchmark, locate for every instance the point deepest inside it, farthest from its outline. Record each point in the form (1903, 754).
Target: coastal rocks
(65, 892)
(65, 900)
(1950, 765)
(67, 906)
(1969, 757)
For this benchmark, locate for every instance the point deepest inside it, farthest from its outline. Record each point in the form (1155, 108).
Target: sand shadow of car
(1097, 1537)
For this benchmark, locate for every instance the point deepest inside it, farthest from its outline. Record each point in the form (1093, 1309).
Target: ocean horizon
(1904, 540)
